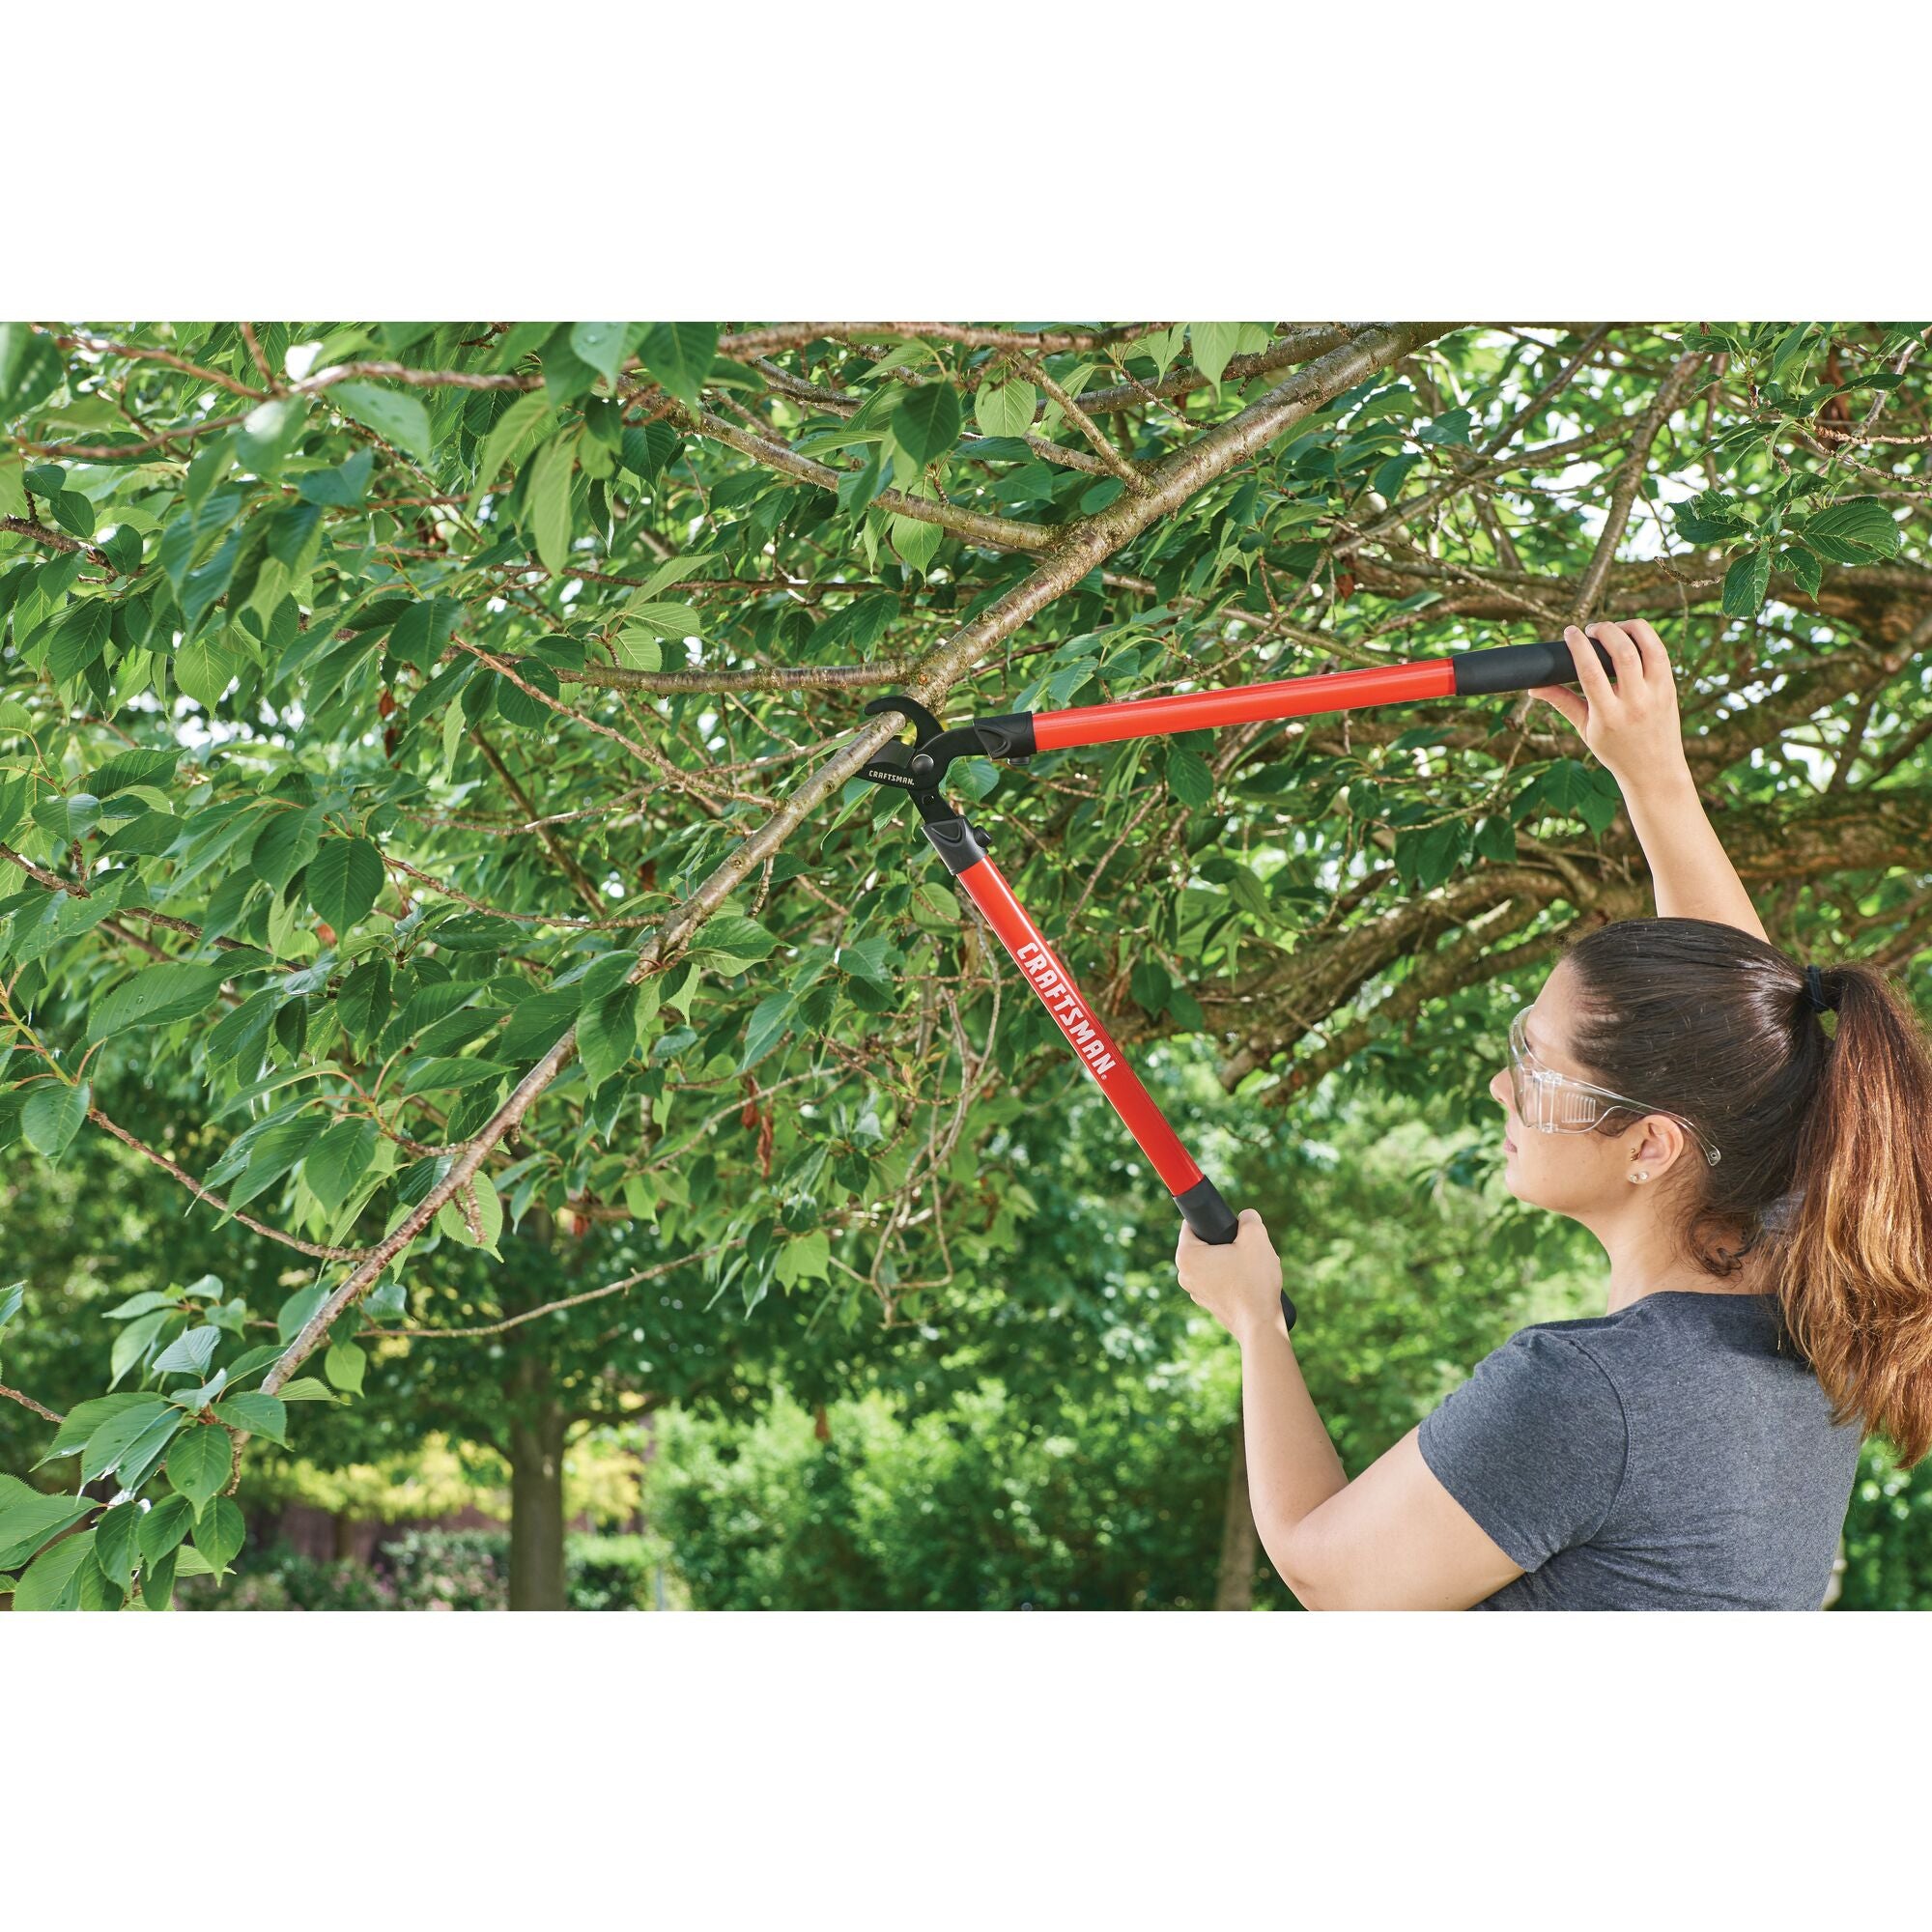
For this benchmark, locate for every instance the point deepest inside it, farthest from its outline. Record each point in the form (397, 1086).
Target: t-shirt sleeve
(1532, 1446)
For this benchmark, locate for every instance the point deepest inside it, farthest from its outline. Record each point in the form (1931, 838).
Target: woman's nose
(1499, 1089)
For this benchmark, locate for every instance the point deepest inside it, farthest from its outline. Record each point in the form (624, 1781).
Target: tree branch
(1630, 475)
(1086, 546)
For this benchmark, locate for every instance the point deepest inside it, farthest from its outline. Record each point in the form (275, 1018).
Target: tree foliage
(428, 767)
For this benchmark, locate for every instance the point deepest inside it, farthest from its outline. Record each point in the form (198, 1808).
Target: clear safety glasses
(1554, 1103)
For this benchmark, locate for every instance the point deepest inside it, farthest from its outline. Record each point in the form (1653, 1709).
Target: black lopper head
(920, 768)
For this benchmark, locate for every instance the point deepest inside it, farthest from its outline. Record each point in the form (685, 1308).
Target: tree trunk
(1240, 1546)
(536, 1493)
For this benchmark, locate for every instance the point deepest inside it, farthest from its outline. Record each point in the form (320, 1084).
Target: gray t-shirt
(1677, 1455)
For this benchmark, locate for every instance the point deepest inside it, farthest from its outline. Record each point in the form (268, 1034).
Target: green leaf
(344, 1365)
(342, 488)
(164, 1525)
(1188, 775)
(135, 1343)
(114, 1542)
(206, 664)
(29, 1522)
(640, 650)
(869, 960)
(66, 816)
(74, 514)
(1745, 584)
(925, 425)
(91, 1591)
(78, 639)
(769, 1018)
(679, 355)
(445, 1071)
(107, 1448)
(157, 1582)
(805, 1257)
(364, 1001)
(285, 844)
(344, 878)
(648, 450)
(256, 1414)
(395, 416)
(271, 430)
(296, 1312)
(601, 344)
(671, 620)
(549, 500)
(1805, 565)
(1005, 409)
(154, 996)
(451, 1220)
(606, 1034)
(131, 768)
(339, 1160)
(13, 792)
(386, 1301)
(306, 1388)
(200, 1463)
(1859, 530)
(1572, 789)
(1449, 429)
(1214, 344)
(221, 1533)
(31, 370)
(85, 1417)
(859, 487)
(514, 434)
(189, 1353)
(1710, 517)
(915, 541)
(49, 1585)
(733, 941)
(52, 1116)
(421, 633)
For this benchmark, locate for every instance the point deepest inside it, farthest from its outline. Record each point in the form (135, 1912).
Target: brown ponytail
(1824, 1122)
(1855, 1269)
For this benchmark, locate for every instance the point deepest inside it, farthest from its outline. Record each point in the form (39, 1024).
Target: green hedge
(1112, 1504)
(434, 1568)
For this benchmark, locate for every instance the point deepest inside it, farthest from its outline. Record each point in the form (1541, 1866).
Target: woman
(1763, 1190)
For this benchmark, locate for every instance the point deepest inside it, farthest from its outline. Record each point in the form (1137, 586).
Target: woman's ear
(1655, 1148)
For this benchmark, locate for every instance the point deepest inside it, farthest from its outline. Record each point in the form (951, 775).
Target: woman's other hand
(1239, 1284)
(1632, 727)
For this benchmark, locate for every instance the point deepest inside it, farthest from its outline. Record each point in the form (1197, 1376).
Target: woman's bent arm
(1633, 730)
(1394, 1538)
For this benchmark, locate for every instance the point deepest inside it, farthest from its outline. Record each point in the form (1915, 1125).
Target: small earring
(1639, 1174)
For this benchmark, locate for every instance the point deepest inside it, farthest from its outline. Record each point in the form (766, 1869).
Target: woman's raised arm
(1633, 728)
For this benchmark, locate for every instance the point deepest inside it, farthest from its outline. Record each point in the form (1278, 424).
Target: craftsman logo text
(1064, 1004)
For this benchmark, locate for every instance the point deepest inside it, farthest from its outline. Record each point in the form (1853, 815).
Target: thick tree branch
(25, 527)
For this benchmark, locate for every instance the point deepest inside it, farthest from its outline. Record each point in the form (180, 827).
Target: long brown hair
(1824, 1122)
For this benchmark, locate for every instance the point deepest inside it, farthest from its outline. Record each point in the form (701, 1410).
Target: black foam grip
(1520, 668)
(1214, 1221)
